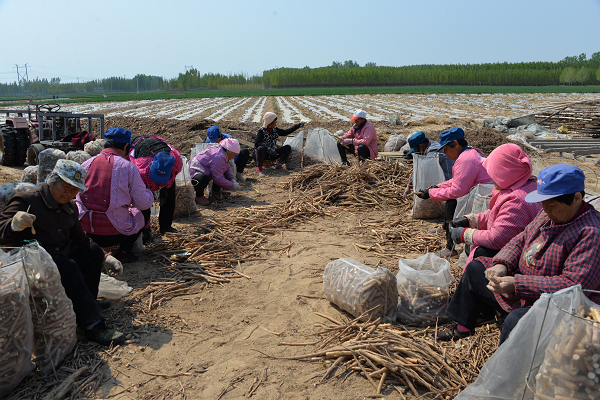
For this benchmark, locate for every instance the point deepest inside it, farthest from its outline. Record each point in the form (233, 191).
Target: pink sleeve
(482, 219)
(463, 179)
(220, 171)
(509, 222)
(141, 198)
(369, 134)
(349, 134)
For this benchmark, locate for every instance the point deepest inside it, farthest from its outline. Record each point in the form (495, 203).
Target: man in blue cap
(214, 135)
(558, 249)
(110, 210)
(419, 144)
(158, 163)
(467, 172)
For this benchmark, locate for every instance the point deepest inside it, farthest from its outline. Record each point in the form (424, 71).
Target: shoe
(346, 163)
(261, 174)
(279, 166)
(203, 201)
(168, 230)
(147, 237)
(452, 332)
(103, 334)
(447, 253)
(103, 304)
(239, 177)
(126, 258)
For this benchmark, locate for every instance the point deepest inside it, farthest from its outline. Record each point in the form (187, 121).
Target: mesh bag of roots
(357, 288)
(185, 195)
(47, 161)
(10, 189)
(29, 174)
(54, 334)
(474, 202)
(426, 173)
(423, 289)
(394, 143)
(94, 148)
(320, 144)
(79, 156)
(16, 331)
(571, 367)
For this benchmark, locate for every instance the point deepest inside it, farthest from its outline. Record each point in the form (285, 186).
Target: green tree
(568, 76)
(598, 75)
(582, 75)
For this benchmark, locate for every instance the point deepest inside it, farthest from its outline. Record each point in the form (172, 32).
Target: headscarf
(231, 145)
(268, 118)
(508, 166)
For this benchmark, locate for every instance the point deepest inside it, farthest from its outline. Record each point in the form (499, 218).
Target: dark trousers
(472, 299)
(80, 276)
(125, 242)
(363, 152)
(242, 160)
(261, 154)
(481, 252)
(449, 209)
(166, 200)
(201, 181)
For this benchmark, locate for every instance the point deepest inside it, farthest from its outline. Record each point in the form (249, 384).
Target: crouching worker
(360, 140)
(48, 215)
(265, 144)
(212, 164)
(558, 249)
(110, 210)
(158, 163)
(214, 135)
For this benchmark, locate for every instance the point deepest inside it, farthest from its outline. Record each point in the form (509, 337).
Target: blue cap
(160, 169)
(213, 133)
(416, 139)
(118, 135)
(555, 181)
(450, 136)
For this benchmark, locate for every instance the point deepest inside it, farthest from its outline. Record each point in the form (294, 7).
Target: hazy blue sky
(97, 39)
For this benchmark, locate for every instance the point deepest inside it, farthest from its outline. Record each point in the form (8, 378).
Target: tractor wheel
(32, 153)
(22, 143)
(8, 145)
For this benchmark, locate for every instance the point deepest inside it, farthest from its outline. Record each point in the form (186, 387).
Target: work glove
(456, 234)
(113, 266)
(236, 186)
(461, 221)
(22, 220)
(424, 194)
(346, 142)
(301, 124)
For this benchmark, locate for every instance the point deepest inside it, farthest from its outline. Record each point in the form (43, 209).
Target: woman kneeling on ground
(212, 164)
(266, 142)
(487, 232)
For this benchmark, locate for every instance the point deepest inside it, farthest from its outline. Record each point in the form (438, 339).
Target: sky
(85, 40)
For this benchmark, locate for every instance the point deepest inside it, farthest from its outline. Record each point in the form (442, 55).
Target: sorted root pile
(394, 358)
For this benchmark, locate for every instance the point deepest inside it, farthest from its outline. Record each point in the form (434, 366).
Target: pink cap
(231, 145)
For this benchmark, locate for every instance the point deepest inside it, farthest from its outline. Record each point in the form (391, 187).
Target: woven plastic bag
(361, 290)
(474, 202)
(427, 172)
(321, 145)
(30, 174)
(16, 330)
(94, 147)
(79, 156)
(523, 354)
(185, 195)
(423, 289)
(394, 143)
(47, 161)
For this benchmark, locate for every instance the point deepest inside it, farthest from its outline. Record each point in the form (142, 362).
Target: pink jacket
(467, 172)
(508, 216)
(213, 162)
(367, 136)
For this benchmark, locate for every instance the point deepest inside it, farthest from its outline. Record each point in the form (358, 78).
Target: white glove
(346, 142)
(22, 220)
(236, 186)
(113, 266)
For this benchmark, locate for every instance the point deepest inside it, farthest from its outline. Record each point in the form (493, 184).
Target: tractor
(22, 138)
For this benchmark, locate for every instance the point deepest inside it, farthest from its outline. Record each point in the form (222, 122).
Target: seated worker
(558, 249)
(360, 140)
(487, 232)
(419, 144)
(214, 135)
(265, 144)
(212, 164)
(158, 163)
(110, 210)
(46, 214)
(467, 172)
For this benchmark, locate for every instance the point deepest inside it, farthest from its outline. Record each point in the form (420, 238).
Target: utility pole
(22, 77)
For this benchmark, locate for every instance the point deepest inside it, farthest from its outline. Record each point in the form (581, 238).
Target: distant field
(6, 102)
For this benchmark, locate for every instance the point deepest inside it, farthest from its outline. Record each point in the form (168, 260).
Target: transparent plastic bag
(427, 172)
(321, 145)
(29, 174)
(16, 331)
(94, 147)
(474, 202)
(185, 194)
(423, 289)
(394, 143)
(79, 156)
(47, 161)
(111, 288)
(197, 149)
(295, 142)
(357, 288)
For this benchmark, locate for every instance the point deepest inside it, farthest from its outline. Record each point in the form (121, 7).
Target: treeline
(575, 70)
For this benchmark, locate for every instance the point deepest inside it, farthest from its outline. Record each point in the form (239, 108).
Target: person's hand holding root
(113, 266)
(346, 142)
(21, 221)
(499, 283)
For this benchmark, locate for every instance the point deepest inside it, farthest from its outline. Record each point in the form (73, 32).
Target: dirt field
(201, 344)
